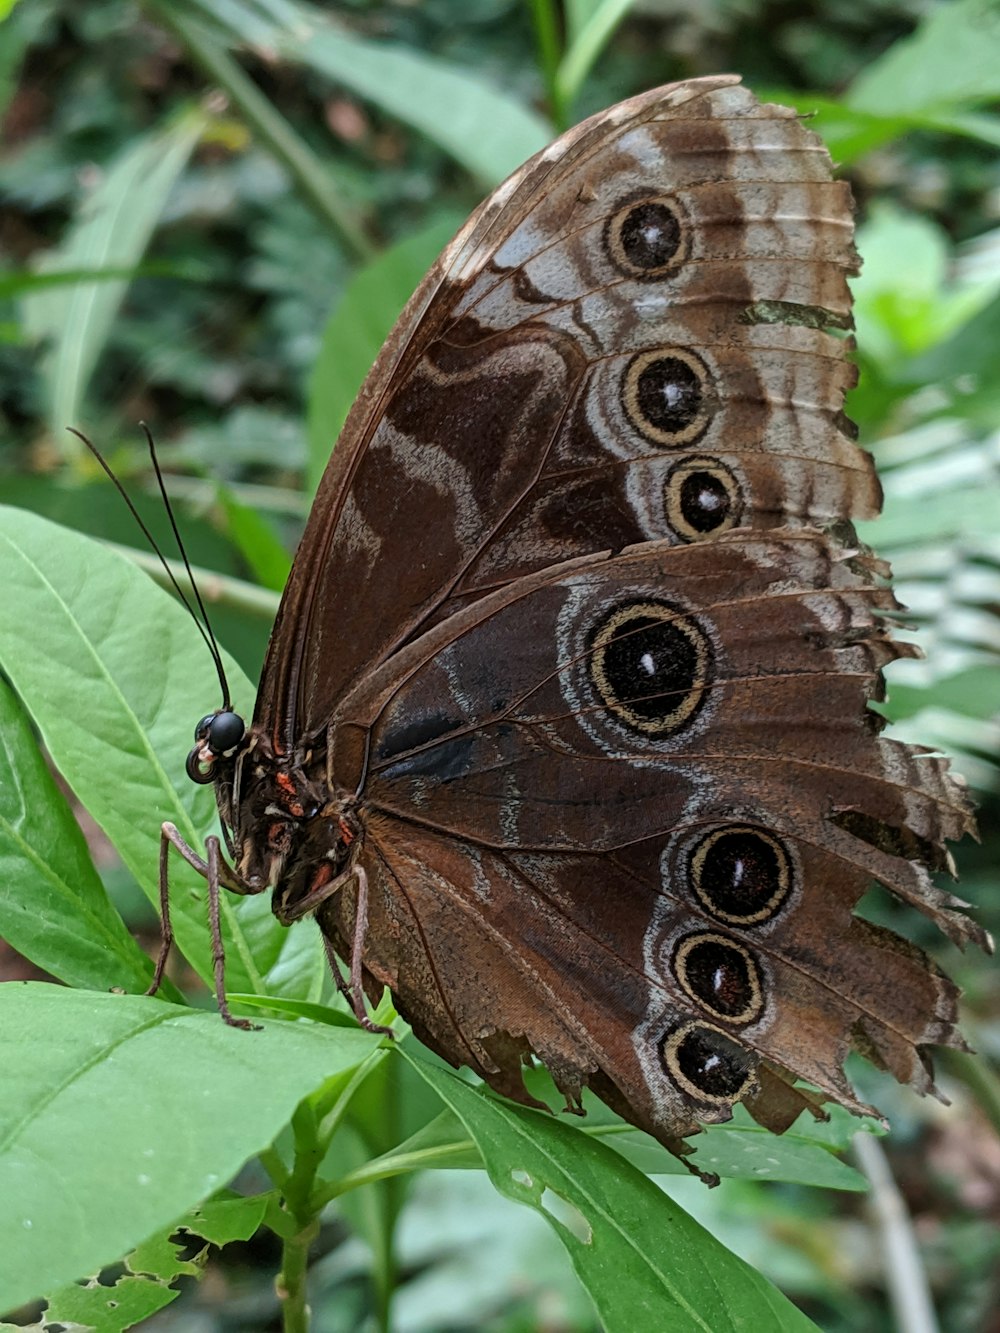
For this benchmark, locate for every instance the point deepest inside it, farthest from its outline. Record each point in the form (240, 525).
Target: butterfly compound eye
(225, 731)
(201, 730)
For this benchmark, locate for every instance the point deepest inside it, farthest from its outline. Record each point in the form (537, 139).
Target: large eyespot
(667, 395)
(707, 1064)
(720, 976)
(651, 663)
(702, 498)
(647, 238)
(740, 874)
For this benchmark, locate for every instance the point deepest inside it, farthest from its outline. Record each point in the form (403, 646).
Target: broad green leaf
(358, 327)
(645, 1263)
(53, 906)
(113, 673)
(951, 60)
(121, 1112)
(112, 229)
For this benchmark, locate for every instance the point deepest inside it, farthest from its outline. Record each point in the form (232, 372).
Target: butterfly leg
(353, 991)
(168, 835)
(218, 952)
(212, 870)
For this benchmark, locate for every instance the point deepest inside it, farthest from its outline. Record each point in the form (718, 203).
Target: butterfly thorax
(289, 832)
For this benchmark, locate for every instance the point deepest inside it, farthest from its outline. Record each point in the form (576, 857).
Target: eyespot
(740, 874)
(702, 498)
(651, 663)
(647, 238)
(667, 395)
(720, 975)
(707, 1064)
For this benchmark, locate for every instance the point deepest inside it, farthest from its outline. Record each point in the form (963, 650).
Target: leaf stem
(290, 1283)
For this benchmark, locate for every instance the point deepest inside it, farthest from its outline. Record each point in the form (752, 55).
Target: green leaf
(974, 692)
(645, 1263)
(53, 906)
(224, 1218)
(741, 1149)
(954, 511)
(358, 327)
(256, 541)
(482, 128)
(109, 1309)
(904, 302)
(746, 1152)
(952, 59)
(120, 1112)
(112, 229)
(115, 679)
(589, 34)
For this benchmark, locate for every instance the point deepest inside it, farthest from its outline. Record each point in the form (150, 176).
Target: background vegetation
(212, 211)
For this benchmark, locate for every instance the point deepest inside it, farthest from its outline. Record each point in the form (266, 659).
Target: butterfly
(564, 731)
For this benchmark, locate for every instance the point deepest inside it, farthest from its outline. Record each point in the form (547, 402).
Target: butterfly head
(217, 736)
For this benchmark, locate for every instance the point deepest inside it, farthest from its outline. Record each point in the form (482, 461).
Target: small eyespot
(708, 1065)
(740, 874)
(720, 975)
(647, 238)
(651, 663)
(702, 498)
(667, 396)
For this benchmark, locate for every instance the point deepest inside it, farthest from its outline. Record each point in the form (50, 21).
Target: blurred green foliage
(212, 212)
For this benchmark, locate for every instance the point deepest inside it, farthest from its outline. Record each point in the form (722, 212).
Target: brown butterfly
(564, 729)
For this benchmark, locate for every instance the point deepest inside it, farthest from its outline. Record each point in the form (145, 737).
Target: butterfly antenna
(216, 651)
(205, 630)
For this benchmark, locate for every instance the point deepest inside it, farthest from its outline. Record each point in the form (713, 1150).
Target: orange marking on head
(346, 832)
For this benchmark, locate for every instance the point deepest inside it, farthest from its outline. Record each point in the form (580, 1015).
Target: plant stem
(290, 1283)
